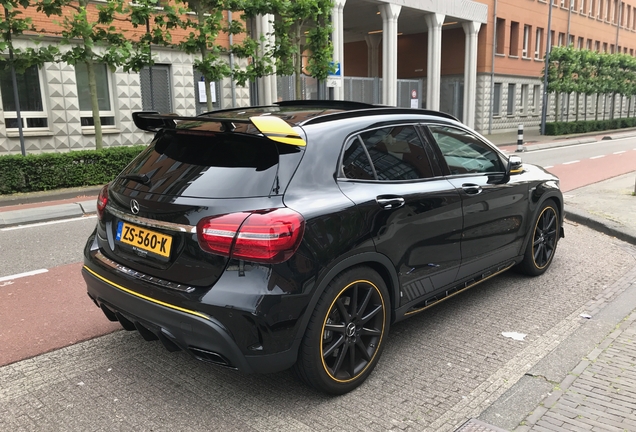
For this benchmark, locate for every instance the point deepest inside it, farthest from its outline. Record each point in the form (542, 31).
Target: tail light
(268, 236)
(102, 200)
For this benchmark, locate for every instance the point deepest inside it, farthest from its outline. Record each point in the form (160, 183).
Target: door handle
(471, 188)
(388, 203)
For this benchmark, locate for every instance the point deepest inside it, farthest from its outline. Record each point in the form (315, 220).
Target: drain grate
(474, 425)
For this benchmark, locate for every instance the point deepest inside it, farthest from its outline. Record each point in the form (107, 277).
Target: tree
(301, 27)
(94, 39)
(12, 25)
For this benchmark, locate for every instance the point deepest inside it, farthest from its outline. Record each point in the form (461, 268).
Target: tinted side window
(464, 153)
(355, 162)
(397, 153)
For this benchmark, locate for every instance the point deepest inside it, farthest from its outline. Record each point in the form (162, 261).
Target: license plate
(144, 239)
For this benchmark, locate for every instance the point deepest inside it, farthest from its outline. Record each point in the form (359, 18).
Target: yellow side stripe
(150, 299)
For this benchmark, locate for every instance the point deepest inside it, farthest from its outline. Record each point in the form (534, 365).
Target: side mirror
(515, 165)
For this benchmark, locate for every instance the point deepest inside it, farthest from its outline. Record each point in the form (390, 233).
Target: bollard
(520, 138)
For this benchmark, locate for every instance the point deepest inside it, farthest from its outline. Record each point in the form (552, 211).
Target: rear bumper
(177, 328)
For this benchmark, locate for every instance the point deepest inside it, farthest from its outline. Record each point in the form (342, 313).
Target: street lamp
(544, 108)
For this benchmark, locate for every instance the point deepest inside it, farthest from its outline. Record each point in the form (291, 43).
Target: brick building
(480, 60)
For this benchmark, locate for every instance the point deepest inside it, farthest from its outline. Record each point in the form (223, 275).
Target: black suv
(294, 235)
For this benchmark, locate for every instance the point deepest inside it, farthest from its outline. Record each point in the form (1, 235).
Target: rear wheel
(543, 243)
(345, 336)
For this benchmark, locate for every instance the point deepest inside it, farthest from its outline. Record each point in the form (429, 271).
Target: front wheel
(543, 243)
(345, 335)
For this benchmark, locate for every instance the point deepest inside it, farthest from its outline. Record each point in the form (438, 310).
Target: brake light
(102, 200)
(268, 236)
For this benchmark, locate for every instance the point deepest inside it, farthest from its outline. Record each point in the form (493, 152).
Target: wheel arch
(540, 196)
(376, 261)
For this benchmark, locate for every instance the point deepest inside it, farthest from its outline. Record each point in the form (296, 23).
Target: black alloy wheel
(543, 243)
(345, 336)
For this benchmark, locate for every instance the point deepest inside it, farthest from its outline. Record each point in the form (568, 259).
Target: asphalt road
(438, 369)
(42, 246)
(583, 164)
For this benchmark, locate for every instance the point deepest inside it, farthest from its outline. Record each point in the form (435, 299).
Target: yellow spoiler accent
(276, 129)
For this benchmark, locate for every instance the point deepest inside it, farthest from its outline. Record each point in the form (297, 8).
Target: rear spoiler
(272, 127)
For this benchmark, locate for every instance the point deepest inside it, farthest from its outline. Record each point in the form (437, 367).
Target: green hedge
(565, 128)
(40, 172)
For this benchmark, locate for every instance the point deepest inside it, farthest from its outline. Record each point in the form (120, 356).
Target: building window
(615, 14)
(104, 98)
(514, 39)
(537, 44)
(501, 36)
(561, 39)
(604, 47)
(32, 108)
(563, 3)
(571, 40)
(496, 102)
(535, 98)
(589, 44)
(600, 9)
(573, 5)
(526, 40)
(524, 98)
(597, 46)
(512, 94)
(582, 9)
(552, 41)
(156, 93)
(579, 45)
(591, 8)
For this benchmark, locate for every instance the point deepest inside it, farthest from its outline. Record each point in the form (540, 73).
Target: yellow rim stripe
(324, 324)
(277, 129)
(150, 299)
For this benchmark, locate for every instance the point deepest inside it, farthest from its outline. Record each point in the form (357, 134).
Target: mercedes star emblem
(134, 206)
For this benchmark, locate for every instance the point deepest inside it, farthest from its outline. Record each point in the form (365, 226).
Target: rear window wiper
(140, 178)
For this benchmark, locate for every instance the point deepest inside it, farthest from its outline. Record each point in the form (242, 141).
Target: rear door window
(387, 154)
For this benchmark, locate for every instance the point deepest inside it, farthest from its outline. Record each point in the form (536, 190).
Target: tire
(543, 241)
(342, 344)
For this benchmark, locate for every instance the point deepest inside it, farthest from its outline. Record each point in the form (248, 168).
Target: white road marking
(571, 162)
(597, 157)
(576, 145)
(21, 275)
(619, 152)
(48, 223)
(549, 166)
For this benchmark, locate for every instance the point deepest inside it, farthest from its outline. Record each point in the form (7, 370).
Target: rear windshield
(209, 165)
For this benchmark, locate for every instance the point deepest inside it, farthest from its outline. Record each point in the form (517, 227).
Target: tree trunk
(578, 104)
(604, 105)
(596, 107)
(92, 86)
(298, 64)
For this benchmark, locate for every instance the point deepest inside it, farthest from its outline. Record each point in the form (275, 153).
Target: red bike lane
(47, 311)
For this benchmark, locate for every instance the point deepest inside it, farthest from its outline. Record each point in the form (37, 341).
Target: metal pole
(520, 138)
(16, 96)
(544, 108)
(492, 70)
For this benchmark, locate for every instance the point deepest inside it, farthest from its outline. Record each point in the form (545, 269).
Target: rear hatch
(191, 171)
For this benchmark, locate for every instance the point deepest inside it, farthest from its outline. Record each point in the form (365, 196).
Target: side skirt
(445, 295)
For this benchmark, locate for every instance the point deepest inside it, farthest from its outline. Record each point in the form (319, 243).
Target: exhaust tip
(209, 357)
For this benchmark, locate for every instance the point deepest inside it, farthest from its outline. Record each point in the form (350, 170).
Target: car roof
(303, 112)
